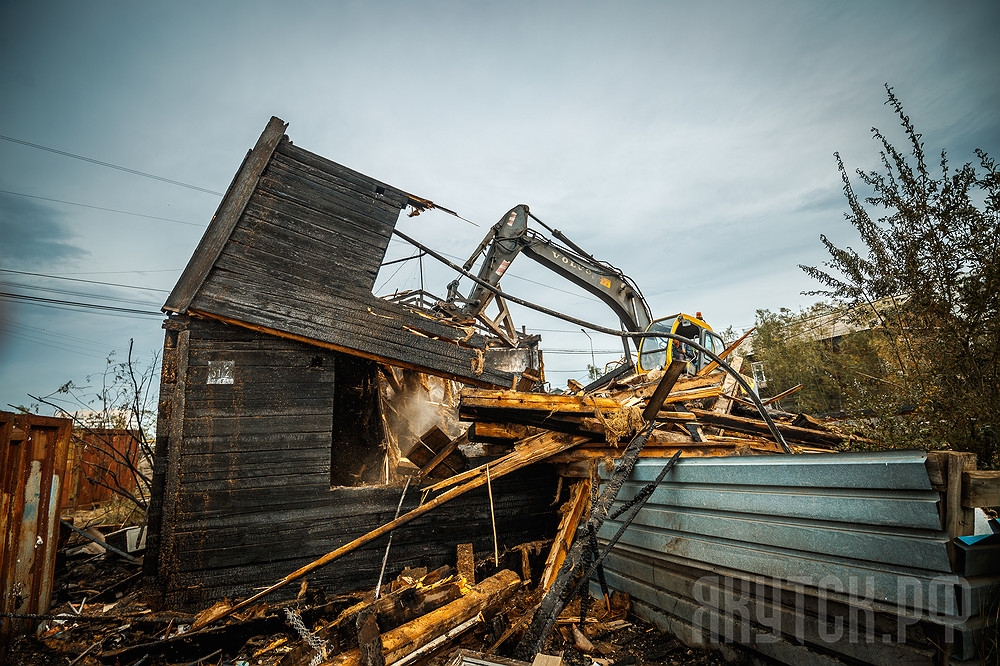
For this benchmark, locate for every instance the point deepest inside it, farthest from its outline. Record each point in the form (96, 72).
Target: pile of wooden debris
(420, 617)
(483, 606)
(702, 414)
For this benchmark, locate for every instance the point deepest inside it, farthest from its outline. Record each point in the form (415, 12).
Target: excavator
(511, 236)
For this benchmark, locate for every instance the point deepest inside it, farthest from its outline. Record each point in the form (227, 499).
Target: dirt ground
(98, 618)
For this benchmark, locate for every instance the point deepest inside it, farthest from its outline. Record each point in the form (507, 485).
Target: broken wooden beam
(783, 394)
(370, 648)
(570, 573)
(980, 488)
(475, 399)
(730, 387)
(486, 432)
(392, 610)
(663, 389)
(585, 456)
(572, 511)
(466, 562)
(755, 427)
(646, 388)
(527, 452)
(402, 641)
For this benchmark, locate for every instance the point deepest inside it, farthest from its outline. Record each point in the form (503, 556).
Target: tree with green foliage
(930, 274)
(836, 371)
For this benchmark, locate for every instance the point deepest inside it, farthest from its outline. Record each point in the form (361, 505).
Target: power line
(58, 277)
(155, 270)
(93, 306)
(71, 292)
(54, 345)
(109, 165)
(46, 339)
(110, 210)
(63, 338)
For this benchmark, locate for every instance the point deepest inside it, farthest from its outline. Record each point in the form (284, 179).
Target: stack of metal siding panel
(803, 559)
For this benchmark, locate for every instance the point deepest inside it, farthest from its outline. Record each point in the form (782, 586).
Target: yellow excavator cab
(657, 353)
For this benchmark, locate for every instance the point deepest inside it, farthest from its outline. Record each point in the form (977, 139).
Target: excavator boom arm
(604, 283)
(511, 236)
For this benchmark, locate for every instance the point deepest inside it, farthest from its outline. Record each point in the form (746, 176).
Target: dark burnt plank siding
(295, 249)
(245, 551)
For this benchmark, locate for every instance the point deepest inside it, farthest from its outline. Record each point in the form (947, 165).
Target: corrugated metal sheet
(32, 465)
(856, 530)
(97, 463)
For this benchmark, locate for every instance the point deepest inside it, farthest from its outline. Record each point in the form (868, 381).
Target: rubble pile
(421, 617)
(489, 605)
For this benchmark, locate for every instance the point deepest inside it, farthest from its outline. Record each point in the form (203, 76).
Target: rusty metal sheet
(97, 463)
(33, 451)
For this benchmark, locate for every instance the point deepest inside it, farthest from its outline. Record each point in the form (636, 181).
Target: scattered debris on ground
(99, 618)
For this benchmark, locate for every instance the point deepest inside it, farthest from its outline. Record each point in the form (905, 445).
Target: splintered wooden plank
(725, 354)
(690, 449)
(226, 217)
(646, 389)
(486, 597)
(466, 562)
(499, 433)
(755, 427)
(572, 511)
(730, 387)
(693, 394)
(527, 452)
(514, 400)
(559, 412)
(393, 609)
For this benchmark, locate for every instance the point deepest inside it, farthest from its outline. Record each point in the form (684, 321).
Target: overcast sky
(690, 144)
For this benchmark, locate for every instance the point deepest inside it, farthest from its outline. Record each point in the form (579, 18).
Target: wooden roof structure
(294, 250)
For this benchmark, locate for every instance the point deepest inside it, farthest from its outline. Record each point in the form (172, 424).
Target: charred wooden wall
(294, 250)
(242, 489)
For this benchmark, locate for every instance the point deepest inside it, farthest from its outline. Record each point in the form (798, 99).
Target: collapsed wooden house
(269, 417)
(280, 441)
